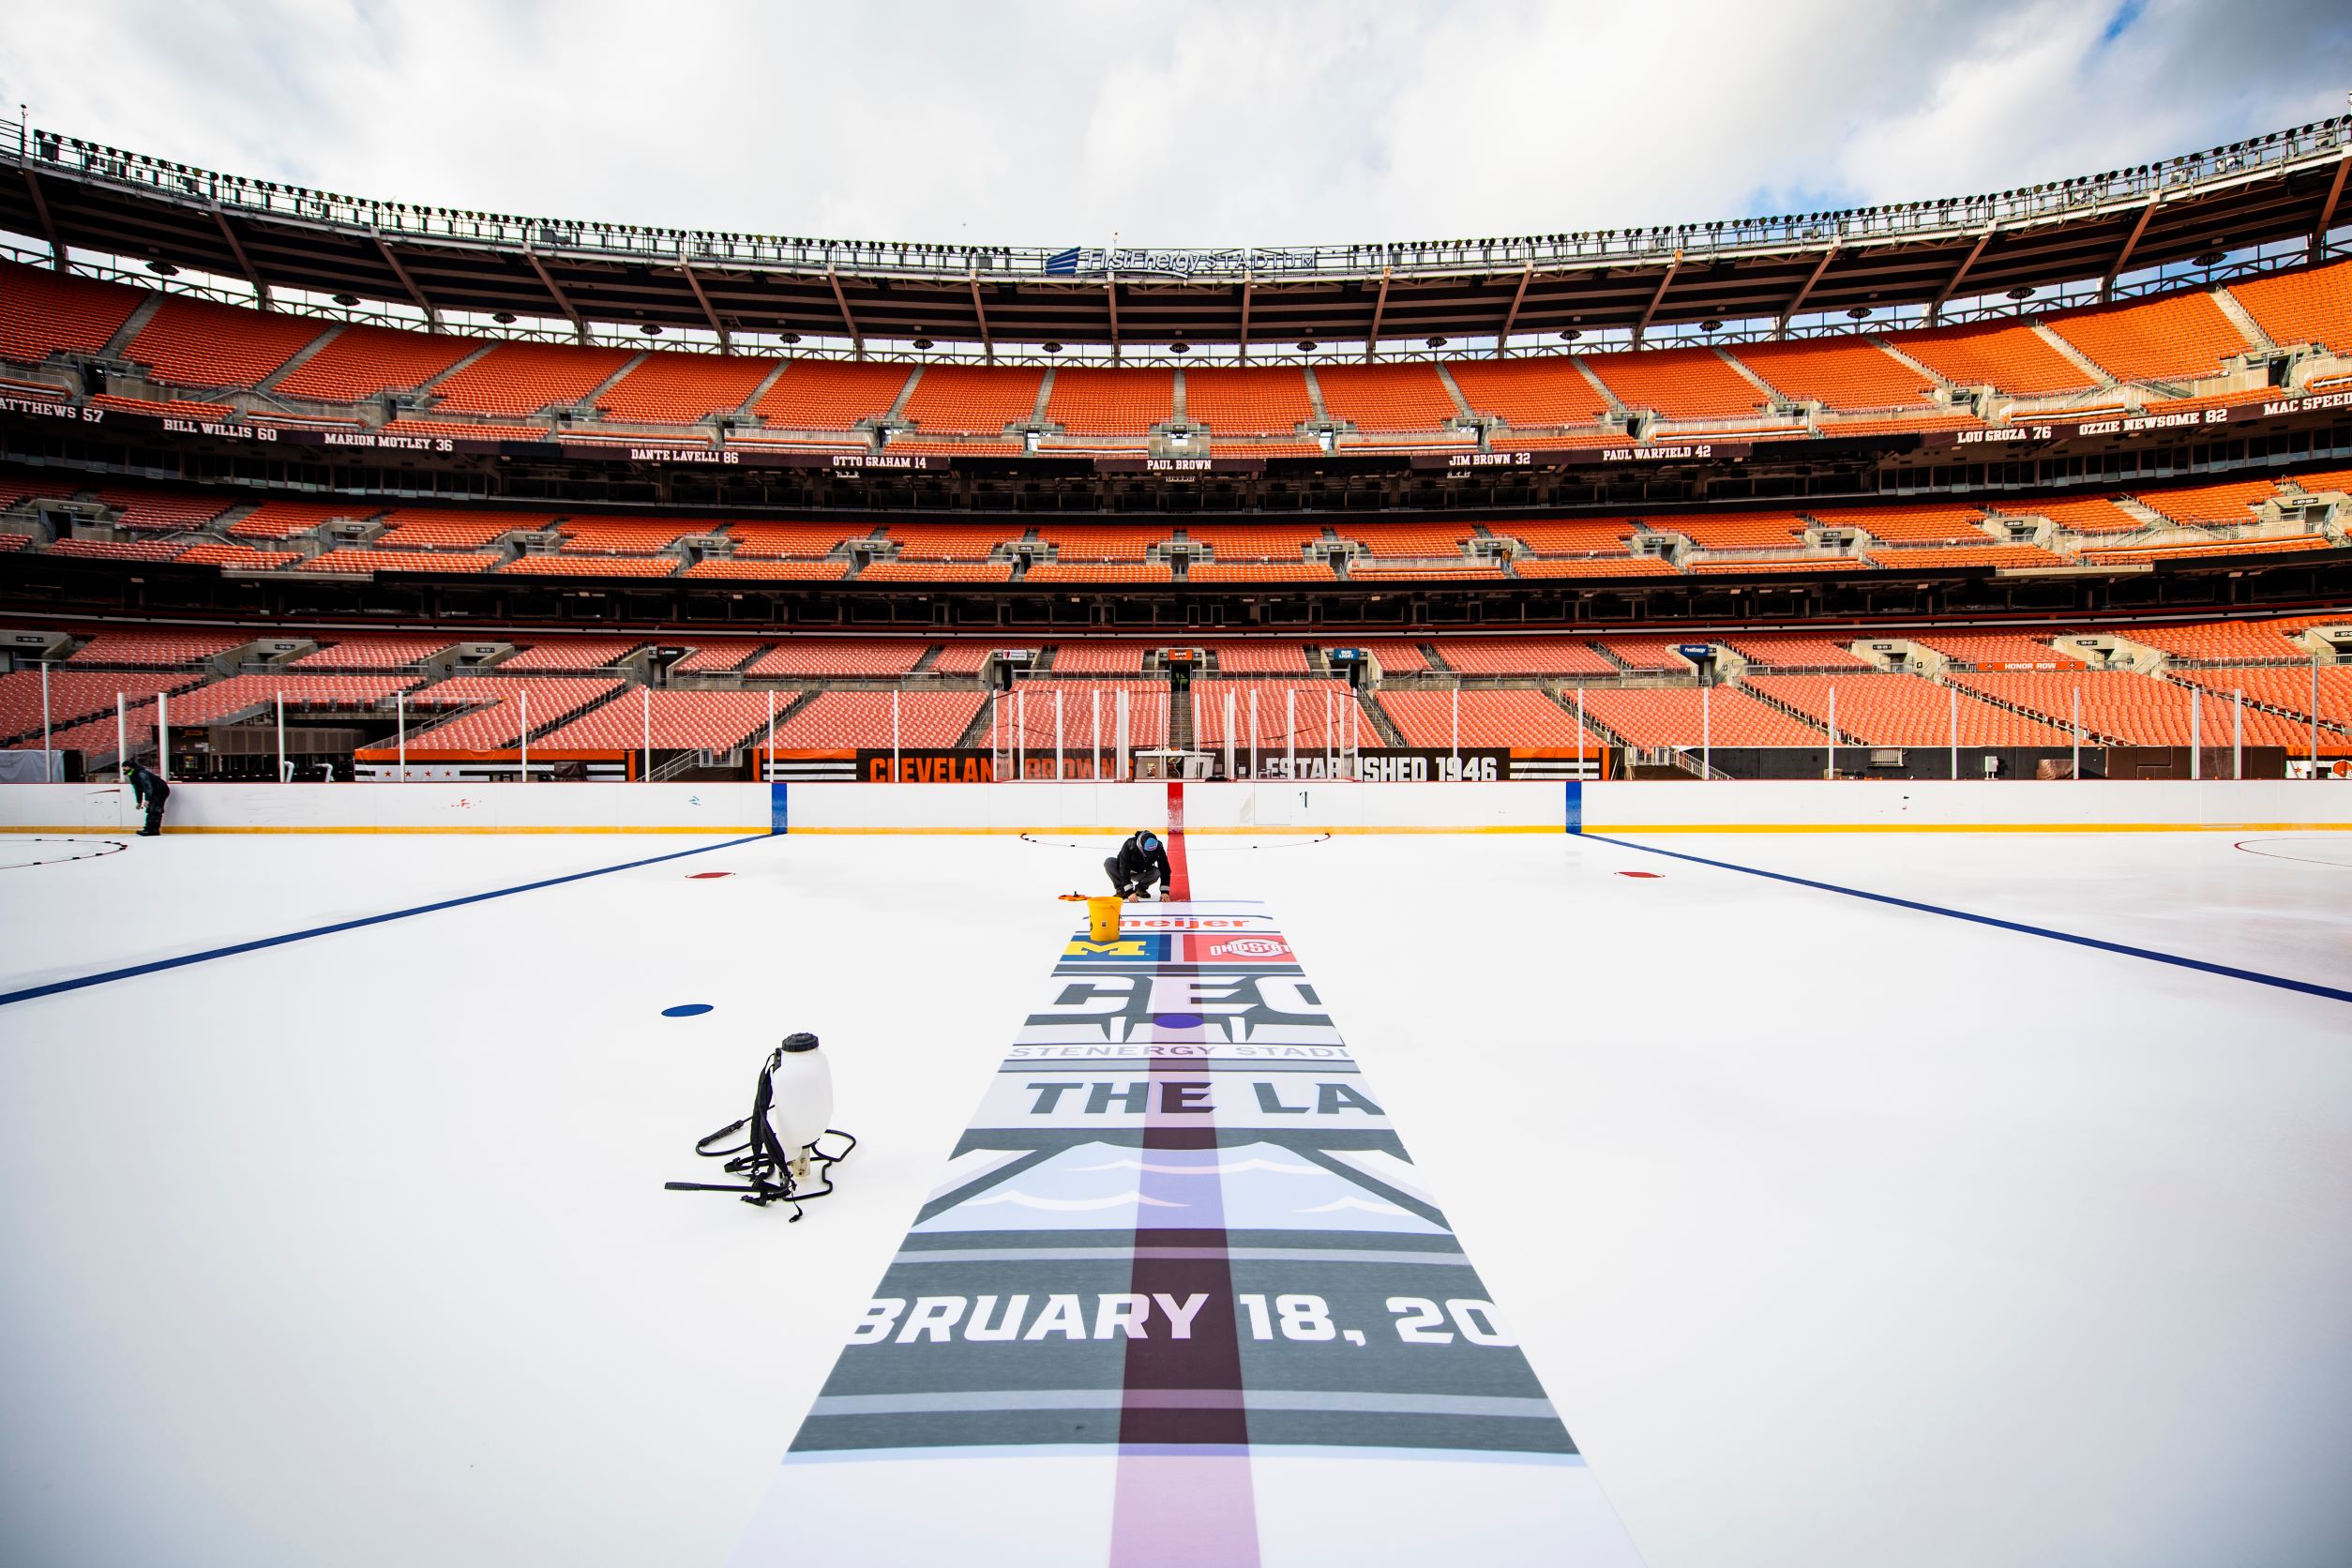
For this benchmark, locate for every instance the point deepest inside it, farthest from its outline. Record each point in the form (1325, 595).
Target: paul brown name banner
(1182, 1297)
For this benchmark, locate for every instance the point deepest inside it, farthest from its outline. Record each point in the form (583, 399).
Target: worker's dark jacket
(1138, 867)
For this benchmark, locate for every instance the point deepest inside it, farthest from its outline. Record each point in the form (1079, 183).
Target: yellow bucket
(1102, 918)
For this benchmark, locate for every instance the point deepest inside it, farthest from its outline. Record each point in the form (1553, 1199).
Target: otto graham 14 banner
(1182, 1298)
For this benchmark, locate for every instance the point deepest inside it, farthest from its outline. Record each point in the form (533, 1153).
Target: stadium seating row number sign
(1182, 1296)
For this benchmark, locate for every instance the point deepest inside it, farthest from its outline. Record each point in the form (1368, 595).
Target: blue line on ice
(2306, 986)
(134, 971)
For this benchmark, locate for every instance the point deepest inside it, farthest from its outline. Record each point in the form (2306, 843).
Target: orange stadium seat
(1396, 655)
(2289, 690)
(201, 342)
(1254, 541)
(1259, 656)
(1838, 372)
(767, 568)
(564, 564)
(2168, 337)
(525, 377)
(75, 695)
(501, 705)
(2083, 515)
(47, 312)
(951, 541)
(2175, 548)
(1099, 571)
(1029, 711)
(373, 650)
(2310, 305)
(1569, 535)
(834, 655)
(2008, 356)
(2000, 650)
(1312, 733)
(2234, 641)
(802, 540)
(135, 549)
(240, 557)
(681, 388)
(1734, 529)
(971, 399)
(1683, 717)
(1794, 650)
(941, 571)
(225, 701)
(1103, 655)
(1487, 718)
(1103, 541)
(453, 528)
(831, 394)
(669, 720)
(172, 409)
(2135, 710)
(359, 559)
(2224, 501)
(1404, 397)
(362, 361)
(1524, 655)
(1530, 393)
(1091, 401)
(1880, 708)
(849, 719)
(1408, 540)
(1679, 384)
(1920, 522)
(161, 510)
(1615, 566)
(1939, 557)
(1650, 653)
(717, 656)
(1371, 567)
(1260, 571)
(1246, 402)
(625, 535)
(157, 649)
(282, 519)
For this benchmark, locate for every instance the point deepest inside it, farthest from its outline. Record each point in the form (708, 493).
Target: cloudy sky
(1210, 123)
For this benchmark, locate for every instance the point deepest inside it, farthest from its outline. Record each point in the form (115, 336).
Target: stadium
(1750, 821)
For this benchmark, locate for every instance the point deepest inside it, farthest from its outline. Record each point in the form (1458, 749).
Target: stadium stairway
(2063, 721)
(302, 356)
(1844, 735)
(1378, 716)
(1179, 729)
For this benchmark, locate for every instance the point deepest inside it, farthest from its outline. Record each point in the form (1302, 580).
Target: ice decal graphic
(1181, 1296)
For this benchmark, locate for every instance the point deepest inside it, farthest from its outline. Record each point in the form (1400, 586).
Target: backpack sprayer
(779, 1153)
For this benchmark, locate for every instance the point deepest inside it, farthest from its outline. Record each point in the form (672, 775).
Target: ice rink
(1840, 1231)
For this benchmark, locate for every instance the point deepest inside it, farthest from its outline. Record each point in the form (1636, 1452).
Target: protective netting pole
(1954, 693)
(400, 728)
(163, 738)
(1457, 729)
(1291, 735)
(282, 737)
(1058, 747)
(1580, 731)
(2237, 735)
(1095, 749)
(1228, 734)
(2196, 733)
(894, 736)
(645, 727)
(1123, 732)
(1832, 772)
(1020, 730)
(1253, 732)
(1706, 729)
(122, 732)
(1331, 735)
(2076, 771)
(2315, 713)
(767, 764)
(48, 754)
(524, 696)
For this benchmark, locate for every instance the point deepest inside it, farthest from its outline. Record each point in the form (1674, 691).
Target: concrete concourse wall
(1804, 805)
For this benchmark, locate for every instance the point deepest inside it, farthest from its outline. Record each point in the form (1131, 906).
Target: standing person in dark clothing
(1141, 861)
(150, 792)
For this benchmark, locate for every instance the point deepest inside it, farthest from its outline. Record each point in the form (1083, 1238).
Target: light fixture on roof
(347, 300)
(1180, 346)
(1860, 313)
(1306, 345)
(789, 337)
(1569, 335)
(1711, 325)
(163, 269)
(1052, 348)
(2021, 294)
(922, 344)
(651, 329)
(503, 318)
(1436, 342)
(2211, 258)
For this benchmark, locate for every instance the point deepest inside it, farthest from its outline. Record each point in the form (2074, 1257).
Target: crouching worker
(1141, 861)
(150, 791)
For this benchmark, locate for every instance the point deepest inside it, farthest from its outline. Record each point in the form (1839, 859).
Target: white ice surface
(1839, 1234)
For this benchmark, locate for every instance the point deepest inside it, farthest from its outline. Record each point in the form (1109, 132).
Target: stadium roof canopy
(79, 195)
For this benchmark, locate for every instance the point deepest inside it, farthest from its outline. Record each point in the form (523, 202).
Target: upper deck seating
(520, 377)
(1923, 523)
(1104, 541)
(971, 400)
(1679, 384)
(1770, 530)
(43, 312)
(225, 701)
(438, 561)
(2224, 501)
(1841, 373)
(1266, 401)
(361, 361)
(1794, 650)
(1530, 393)
(1092, 400)
(921, 570)
(1386, 397)
(455, 527)
(1259, 656)
(145, 508)
(1411, 540)
(681, 388)
(1100, 656)
(1569, 535)
(790, 540)
(2000, 650)
(1254, 541)
(2174, 337)
(717, 656)
(831, 394)
(2008, 356)
(201, 342)
(2095, 514)
(771, 571)
(1099, 571)
(1260, 571)
(640, 536)
(951, 541)
(1938, 557)
(1652, 652)
(571, 653)
(2310, 305)
(2233, 642)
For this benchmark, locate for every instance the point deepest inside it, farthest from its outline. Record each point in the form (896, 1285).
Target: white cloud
(1213, 123)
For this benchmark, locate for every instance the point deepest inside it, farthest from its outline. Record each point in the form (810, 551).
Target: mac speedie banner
(1182, 1297)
